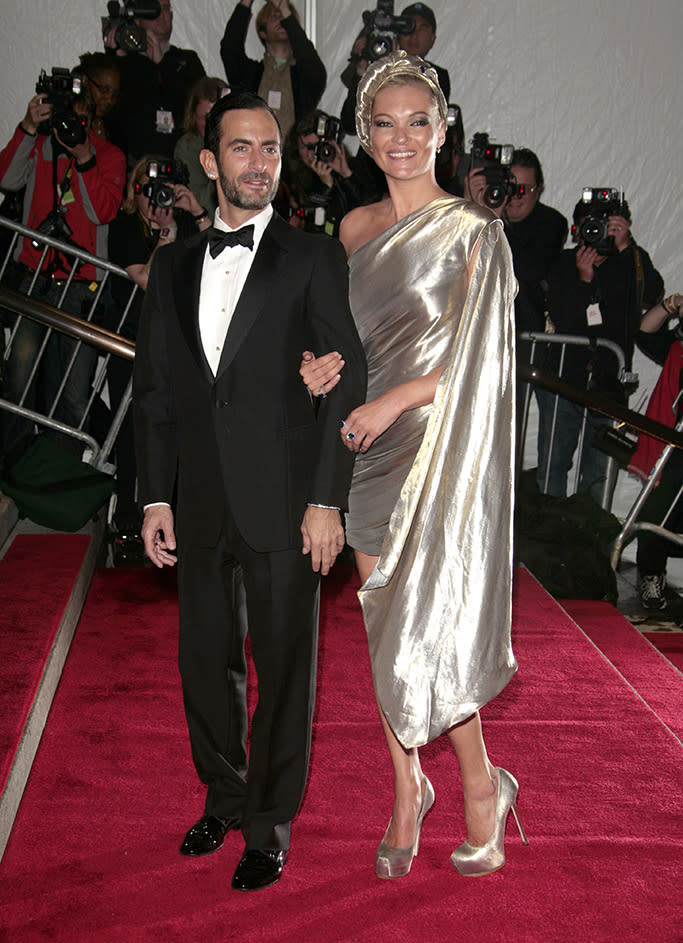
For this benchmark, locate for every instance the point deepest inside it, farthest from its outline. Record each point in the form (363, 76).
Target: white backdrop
(593, 88)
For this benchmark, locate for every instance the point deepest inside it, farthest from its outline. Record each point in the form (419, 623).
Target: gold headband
(376, 75)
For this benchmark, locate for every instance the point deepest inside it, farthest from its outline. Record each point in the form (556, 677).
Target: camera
(495, 161)
(597, 204)
(59, 89)
(381, 27)
(128, 35)
(163, 175)
(329, 131)
(54, 225)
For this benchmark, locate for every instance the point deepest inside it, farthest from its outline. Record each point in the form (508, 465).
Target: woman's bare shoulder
(364, 223)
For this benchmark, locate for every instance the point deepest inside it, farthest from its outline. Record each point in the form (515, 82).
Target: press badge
(164, 121)
(593, 314)
(274, 100)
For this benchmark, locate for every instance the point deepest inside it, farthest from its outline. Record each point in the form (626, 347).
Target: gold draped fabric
(438, 288)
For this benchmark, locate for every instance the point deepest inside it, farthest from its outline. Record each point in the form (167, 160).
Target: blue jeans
(53, 366)
(568, 421)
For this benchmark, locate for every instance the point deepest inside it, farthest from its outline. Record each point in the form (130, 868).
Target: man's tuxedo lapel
(187, 277)
(258, 290)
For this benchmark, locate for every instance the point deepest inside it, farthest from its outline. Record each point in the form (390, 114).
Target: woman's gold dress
(433, 495)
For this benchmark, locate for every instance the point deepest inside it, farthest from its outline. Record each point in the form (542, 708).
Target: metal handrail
(52, 317)
(65, 247)
(600, 403)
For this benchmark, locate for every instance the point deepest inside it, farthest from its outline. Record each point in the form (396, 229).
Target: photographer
(418, 43)
(72, 192)
(155, 85)
(598, 290)
(321, 175)
(103, 78)
(139, 230)
(665, 406)
(202, 97)
(291, 76)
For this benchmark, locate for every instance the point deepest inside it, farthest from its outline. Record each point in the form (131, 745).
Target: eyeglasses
(525, 190)
(105, 89)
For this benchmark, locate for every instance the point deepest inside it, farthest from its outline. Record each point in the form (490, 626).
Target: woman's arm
(367, 422)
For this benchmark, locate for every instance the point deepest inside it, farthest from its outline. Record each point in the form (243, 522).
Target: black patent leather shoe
(207, 835)
(258, 869)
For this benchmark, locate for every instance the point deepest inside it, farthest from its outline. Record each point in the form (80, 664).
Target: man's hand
(36, 113)
(475, 187)
(158, 535)
(586, 260)
(620, 228)
(321, 374)
(323, 537)
(283, 6)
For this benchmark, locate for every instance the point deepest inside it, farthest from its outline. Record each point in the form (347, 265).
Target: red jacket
(92, 201)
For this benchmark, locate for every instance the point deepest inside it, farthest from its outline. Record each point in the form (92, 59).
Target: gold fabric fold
(437, 606)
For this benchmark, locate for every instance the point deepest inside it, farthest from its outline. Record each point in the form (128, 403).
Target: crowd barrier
(102, 321)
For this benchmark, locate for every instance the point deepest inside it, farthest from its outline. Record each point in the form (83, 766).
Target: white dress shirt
(222, 282)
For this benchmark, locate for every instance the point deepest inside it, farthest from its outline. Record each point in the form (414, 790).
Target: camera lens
(592, 230)
(165, 195)
(70, 127)
(325, 152)
(494, 196)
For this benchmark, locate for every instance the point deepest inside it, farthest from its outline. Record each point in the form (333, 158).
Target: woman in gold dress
(430, 508)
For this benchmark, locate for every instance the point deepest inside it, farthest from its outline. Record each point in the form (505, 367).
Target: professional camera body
(495, 161)
(381, 28)
(596, 206)
(54, 225)
(163, 175)
(128, 35)
(59, 89)
(329, 131)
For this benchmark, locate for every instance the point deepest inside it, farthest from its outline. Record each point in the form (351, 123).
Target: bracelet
(201, 216)
(669, 305)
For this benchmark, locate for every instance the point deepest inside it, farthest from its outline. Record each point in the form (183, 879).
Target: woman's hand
(321, 374)
(367, 422)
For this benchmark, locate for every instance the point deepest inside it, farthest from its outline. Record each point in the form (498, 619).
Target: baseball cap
(421, 9)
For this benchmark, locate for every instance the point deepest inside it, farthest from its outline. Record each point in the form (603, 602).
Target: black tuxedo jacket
(250, 437)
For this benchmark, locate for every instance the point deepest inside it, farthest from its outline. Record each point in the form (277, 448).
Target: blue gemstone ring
(350, 435)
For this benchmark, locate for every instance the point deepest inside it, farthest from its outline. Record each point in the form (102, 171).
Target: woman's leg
(479, 780)
(406, 763)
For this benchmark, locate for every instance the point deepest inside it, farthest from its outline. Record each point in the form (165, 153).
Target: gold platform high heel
(473, 861)
(391, 862)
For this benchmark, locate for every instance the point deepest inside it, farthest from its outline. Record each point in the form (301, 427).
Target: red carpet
(641, 664)
(29, 618)
(93, 856)
(670, 644)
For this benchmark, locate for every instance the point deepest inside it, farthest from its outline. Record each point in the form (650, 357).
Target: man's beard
(243, 200)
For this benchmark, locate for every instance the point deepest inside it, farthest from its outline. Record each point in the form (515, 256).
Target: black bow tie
(219, 239)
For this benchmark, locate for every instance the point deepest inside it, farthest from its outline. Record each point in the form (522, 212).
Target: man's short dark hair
(525, 157)
(244, 101)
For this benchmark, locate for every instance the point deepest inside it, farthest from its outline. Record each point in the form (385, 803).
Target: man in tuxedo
(224, 421)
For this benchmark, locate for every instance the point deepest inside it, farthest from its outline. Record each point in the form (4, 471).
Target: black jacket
(250, 437)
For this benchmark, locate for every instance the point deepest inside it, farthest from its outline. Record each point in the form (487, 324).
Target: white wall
(594, 89)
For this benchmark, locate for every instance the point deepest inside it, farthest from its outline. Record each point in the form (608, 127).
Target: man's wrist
(22, 127)
(87, 164)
